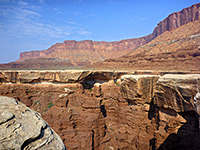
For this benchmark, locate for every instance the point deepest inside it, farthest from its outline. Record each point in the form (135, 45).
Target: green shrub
(50, 105)
(36, 102)
(117, 84)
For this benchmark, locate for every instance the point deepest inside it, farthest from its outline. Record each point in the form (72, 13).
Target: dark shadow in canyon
(92, 139)
(90, 80)
(152, 144)
(66, 104)
(187, 137)
(154, 113)
(103, 110)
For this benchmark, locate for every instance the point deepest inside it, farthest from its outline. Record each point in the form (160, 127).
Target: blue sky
(27, 25)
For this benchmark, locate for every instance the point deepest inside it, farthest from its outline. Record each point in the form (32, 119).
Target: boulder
(23, 128)
(177, 92)
(138, 88)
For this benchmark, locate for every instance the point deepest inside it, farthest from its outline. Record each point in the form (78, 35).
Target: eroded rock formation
(60, 76)
(117, 110)
(177, 19)
(23, 128)
(178, 49)
(175, 95)
(87, 52)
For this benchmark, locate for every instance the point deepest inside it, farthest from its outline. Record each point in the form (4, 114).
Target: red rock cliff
(98, 46)
(178, 19)
(88, 52)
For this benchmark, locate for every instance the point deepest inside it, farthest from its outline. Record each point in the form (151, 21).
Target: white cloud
(67, 33)
(143, 19)
(25, 22)
(113, 2)
(74, 23)
(78, 1)
(41, 1)
(83, 32)
(22, 3)
(26, 5)
(5, 1)
(57, 10)
(30, 13)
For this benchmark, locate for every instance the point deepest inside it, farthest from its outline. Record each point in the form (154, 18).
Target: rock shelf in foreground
(23, 128)
(113, 109)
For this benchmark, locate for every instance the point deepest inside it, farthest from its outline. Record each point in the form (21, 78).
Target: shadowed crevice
(92, 139)
(154, 113)
(28, 141)
(187, 137)
(103, 110)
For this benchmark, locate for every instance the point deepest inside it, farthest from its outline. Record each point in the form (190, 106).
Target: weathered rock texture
(60, 76)
(178, 19)
(178, 49)
(125, 111)
(177, 92)
(175, 95)
(23, 128)
(86, 52)
(81, 53)
(139, 89)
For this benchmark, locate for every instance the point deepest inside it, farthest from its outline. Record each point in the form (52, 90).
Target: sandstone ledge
(171, 91)
(71, 76)
(57, 76)
(125, 110)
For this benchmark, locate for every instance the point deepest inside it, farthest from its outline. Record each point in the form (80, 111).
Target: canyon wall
(80, 53)
(178, 19)
(111, 109)
(168, 51)
(98, 46)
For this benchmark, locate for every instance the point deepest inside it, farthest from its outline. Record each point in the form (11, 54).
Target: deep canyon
(72, 53)
(113, 109)
(137, 94)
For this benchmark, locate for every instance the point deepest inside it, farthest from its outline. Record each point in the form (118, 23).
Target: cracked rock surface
(23, 128)
(115, 111)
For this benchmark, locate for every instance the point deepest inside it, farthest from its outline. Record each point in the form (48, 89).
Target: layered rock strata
(60, 76)
(175, 50)
(175, 95)
(125, 111)
(178, 19)
(87, 52)
(172, 22)
(23, 128)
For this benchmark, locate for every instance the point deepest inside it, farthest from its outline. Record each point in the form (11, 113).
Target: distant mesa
(88, 53)
(172, 50)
